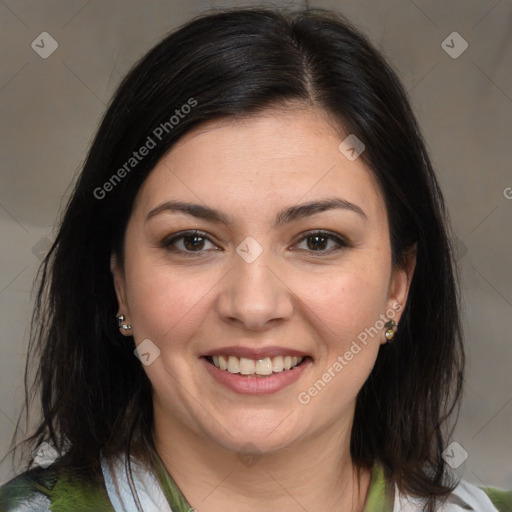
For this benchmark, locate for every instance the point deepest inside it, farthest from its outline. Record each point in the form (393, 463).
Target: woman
(251, 300)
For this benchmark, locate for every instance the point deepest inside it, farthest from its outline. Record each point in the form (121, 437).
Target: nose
(254, 295)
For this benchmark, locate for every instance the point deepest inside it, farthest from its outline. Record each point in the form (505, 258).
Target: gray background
(50, 109)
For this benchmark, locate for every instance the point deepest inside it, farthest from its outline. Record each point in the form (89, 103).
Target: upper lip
(256, 353)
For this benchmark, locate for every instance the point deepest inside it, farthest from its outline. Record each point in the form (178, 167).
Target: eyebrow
(286, 216)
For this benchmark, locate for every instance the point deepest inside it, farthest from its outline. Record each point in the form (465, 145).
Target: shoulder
(52, 489)
(466, 496)
(500, 498)
(30, 491)
(483, 498)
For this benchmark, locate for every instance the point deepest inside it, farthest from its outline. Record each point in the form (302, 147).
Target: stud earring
(122, 324)
(391, 329)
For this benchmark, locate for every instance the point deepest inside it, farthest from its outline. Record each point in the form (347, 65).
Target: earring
(391, 329)
(122, 325)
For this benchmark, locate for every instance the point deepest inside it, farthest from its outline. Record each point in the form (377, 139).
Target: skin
(292, 295)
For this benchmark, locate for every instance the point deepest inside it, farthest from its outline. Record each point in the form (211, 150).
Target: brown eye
(318, 241)
(193, 242)
(188, 242)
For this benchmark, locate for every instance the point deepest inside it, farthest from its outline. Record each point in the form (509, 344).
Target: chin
(254, 441)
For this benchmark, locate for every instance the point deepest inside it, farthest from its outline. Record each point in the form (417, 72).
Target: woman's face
(263, 281)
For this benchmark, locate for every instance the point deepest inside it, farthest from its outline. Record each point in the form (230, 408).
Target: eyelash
(168, 242)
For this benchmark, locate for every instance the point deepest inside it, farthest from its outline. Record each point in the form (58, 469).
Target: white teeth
(264, 366)
(223, 363)
(233, 364)
(247, 366)
(277, 364)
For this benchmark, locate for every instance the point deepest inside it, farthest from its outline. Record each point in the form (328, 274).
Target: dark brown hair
(94, 393)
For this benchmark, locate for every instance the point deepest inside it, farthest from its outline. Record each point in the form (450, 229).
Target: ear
(120, 288)
(400, 282)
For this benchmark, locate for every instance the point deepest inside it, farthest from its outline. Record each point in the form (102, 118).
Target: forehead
(279, 157)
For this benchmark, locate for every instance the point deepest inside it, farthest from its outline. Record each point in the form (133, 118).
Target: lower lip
(256, 385)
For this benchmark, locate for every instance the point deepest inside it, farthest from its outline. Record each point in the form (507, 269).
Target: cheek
(162, 303)
(344, 301)
(346, 310)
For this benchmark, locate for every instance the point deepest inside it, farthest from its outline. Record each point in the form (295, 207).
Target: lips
(256, 385)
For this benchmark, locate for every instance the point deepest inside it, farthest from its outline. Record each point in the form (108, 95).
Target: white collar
(146, 490)
(466, 496)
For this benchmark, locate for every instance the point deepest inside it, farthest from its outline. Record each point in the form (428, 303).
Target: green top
(57, 490)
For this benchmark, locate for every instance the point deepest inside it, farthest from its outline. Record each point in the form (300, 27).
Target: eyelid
(342, 241)
(167, 242)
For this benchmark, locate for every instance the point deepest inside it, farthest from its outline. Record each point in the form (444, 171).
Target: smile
(278, 372)
(263, 367)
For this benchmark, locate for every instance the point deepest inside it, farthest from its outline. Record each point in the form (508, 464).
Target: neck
(315, 474)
